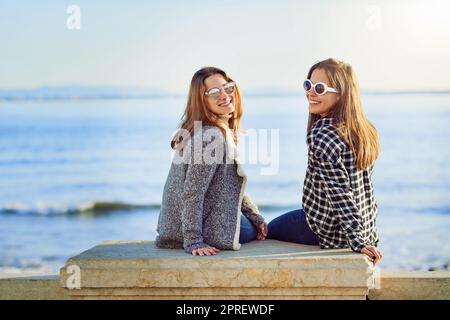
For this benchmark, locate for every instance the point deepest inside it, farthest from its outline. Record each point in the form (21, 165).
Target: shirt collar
(323, 122)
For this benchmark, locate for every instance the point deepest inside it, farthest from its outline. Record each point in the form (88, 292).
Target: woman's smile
(225, 103)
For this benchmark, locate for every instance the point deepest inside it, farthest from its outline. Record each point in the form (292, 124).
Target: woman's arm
(250, 210)
(338, 190)
(197, 180)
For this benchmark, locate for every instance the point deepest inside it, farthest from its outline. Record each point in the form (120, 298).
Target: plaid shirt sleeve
(329, 165)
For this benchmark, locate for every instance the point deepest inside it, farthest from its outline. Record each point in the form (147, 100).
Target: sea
(74, 173)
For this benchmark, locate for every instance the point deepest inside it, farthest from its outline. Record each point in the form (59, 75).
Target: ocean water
(75, 173)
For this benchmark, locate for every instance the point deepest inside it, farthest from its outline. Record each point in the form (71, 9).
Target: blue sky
(393, 45)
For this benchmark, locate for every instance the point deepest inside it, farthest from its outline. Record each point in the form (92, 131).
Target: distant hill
(83, 92)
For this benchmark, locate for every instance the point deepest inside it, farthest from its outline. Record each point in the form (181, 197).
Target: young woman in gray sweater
(204, 206)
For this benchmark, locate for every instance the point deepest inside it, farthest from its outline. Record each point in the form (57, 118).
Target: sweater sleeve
(339, 193)
(198, 177)
(250, 210)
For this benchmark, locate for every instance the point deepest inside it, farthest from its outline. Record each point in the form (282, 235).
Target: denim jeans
(292, 227)
(248, 230)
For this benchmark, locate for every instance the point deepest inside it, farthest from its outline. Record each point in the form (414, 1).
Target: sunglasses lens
(320, 88)
(306, 85)
(229, 89)
(214, 93)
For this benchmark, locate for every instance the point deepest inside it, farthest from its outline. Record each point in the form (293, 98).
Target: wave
(445, 210)
(87, 208)
(105, 207)
(102, 207)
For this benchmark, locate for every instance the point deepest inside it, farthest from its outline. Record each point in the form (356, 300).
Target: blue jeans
(248, 230)
(292, 227)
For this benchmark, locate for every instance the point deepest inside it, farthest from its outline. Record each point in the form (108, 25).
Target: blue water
(59, 158)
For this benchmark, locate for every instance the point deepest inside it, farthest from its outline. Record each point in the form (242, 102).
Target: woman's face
(324, 103)
(222, 105)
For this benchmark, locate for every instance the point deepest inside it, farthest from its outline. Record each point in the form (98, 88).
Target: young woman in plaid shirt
(339, 207)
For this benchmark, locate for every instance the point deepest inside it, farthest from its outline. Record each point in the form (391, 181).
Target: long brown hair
(197, 110)
(349, 119)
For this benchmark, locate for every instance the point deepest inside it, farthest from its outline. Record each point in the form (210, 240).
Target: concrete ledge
(413, 285)
(31, 287)
(260, 270)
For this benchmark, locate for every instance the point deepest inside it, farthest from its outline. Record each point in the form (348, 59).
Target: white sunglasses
(215, 92)
(320, 88)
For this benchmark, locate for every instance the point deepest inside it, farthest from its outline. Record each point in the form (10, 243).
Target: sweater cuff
(190, 247)
(257, 219)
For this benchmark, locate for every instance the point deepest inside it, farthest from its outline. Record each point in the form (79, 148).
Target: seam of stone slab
(255, 250)
(152, 280)
(93, 254)
(223, 291)
(284, 256)
(141, 272)
(212, 264)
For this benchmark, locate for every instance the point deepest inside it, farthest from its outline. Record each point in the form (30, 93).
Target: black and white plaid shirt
(338, 198)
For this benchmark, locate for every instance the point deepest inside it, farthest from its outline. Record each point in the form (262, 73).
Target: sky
(392, 45)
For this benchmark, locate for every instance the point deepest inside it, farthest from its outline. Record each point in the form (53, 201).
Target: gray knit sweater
(204, 195)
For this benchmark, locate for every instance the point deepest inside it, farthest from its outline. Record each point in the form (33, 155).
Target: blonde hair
(349, 119)
(197, 110)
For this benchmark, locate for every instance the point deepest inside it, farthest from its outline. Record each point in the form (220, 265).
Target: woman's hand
(373, 253)
(262, 231)
(206, 251)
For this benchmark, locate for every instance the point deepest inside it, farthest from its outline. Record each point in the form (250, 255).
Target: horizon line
(179, 95)
(162, 91)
